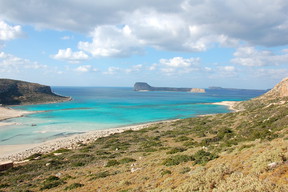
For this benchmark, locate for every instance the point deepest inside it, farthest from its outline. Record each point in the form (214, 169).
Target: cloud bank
(122, 28)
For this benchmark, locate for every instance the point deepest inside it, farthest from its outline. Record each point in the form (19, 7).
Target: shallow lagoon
(95, 108)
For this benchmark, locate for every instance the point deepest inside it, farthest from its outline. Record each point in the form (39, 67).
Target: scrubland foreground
(239, 151)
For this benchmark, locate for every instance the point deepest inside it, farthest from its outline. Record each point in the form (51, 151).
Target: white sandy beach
(7, 113)
(20, 152)
(229, 104)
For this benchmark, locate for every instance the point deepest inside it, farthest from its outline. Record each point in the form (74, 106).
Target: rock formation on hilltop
(142, 86)
(276, 96)
(13, 92)
(280, 90)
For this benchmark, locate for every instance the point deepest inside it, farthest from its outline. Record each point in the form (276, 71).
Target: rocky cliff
(13, 92)
(142, 86)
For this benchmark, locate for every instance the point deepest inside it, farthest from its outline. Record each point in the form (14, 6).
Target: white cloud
(86, 68)
(177, 65)
(249, 56)
(135, 68)
(12, 64)
(112, 70)
(111, 41)
(8, 32)
(70, 56)
(271, 73)
(182, 25)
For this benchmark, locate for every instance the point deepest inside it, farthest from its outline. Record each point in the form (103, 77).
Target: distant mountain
(232, 89)
(14, 92)
(142, 86)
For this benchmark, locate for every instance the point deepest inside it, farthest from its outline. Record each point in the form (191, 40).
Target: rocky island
(142, 86)
(14, 92)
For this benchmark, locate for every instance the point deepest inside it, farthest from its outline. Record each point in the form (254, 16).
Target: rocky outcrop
(142, 86)
(14, 92)
(280, 90)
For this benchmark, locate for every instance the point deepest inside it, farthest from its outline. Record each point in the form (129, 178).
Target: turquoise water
(104, 108)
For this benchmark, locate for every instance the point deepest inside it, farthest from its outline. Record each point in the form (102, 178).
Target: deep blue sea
(95, 108)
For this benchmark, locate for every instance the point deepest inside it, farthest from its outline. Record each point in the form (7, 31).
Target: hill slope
(240, 151)
(13, 92)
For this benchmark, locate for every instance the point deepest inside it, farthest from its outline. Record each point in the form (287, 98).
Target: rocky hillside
(13, 92)
(280, 90)
(242, 151)
(275, 96)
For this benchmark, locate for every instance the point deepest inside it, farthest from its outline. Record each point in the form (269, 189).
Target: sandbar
(8, 113)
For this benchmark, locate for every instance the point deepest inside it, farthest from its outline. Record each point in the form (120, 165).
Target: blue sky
(183, 43)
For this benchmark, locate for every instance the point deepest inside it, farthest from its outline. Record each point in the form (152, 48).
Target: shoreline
(8, 113)
(229, 104)
(22, 151)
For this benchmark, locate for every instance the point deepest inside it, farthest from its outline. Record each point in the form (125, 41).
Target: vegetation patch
(74, 186)
(111, 163)
(202, 157)
(166, 172)
(126, 160)
(51, 182)
(176, 160)
(176, 150)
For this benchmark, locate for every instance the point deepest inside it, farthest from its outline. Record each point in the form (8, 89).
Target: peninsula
(142, 86)
(14, 92)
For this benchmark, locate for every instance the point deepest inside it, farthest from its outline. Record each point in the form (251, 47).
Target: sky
(180, 43)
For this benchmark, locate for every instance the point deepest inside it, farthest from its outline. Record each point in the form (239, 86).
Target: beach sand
(229, 104)
(7, 113)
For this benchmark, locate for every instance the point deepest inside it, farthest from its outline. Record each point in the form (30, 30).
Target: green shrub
(177, 159)
(127, 160)
(100, 175)
(166, 172)
(74, 186)
(52, 182)
(176, 150)
(111, 163)
(190, 144)
(181, 138)
(202, 157)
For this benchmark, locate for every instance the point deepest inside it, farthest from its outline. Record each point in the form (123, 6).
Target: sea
(98, 108)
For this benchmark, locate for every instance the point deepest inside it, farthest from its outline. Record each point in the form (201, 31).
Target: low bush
(111, 163)
(176, 150)
(74, 186)
(126, 160)
(166, 172)
(51, 182)
(177, 159)
(202, 157)
(100, 175)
